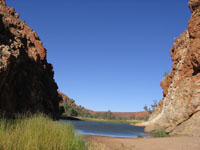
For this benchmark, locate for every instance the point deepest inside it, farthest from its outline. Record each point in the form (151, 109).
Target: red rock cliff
(26, 79)
(179, 111)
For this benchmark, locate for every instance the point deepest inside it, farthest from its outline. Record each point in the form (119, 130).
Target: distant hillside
(70, 101)
(129, 115)
(81, 111)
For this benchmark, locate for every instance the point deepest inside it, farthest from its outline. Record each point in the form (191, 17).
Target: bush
(159, 133)
(38, 133)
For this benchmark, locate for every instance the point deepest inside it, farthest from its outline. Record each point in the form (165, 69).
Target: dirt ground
(168, 143)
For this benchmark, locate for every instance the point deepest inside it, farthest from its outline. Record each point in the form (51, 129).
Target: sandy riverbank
(168, 143)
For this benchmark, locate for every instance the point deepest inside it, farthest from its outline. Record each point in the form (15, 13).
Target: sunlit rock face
(26, 79)
(179, 110)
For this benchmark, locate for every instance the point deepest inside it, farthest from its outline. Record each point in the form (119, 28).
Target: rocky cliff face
(26, 79)
(179, 111)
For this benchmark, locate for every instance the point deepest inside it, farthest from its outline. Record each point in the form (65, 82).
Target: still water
(108, 129)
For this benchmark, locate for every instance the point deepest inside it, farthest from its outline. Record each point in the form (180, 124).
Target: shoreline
(140, 124)
(131, 122)
(167, 143)
(102, 136)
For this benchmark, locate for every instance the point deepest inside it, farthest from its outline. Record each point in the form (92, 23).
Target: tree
(73, 112)
(108, 115)
(69, 108)
(146, 108)
(132, 117)
(154, 105)
(152, 108)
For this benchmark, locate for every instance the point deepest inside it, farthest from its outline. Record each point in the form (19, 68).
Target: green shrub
(38, 132)
(159, 133)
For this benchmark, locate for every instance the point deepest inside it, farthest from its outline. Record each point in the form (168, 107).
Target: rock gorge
(179, 110)
(26, 78)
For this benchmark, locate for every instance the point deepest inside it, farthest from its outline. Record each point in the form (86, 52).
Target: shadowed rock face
(26, 79)
(179, 111)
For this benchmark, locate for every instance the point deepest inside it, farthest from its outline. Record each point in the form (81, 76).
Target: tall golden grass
(38, 132)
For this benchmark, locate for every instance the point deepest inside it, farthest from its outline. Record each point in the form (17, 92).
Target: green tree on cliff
(69, 108)
(152, 108)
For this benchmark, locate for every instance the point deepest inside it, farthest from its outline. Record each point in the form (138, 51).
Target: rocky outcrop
(26, 79)
(71, 102)
(179, 111)
(66, 98)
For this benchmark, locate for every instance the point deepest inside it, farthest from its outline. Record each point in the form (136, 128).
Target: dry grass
(38, 133)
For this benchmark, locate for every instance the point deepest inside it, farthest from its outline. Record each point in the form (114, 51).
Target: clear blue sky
(107, 54)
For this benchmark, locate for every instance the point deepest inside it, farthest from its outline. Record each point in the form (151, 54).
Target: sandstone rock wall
(26, 79)
(179, 110)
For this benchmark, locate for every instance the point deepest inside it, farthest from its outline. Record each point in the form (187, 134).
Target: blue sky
(107, 54)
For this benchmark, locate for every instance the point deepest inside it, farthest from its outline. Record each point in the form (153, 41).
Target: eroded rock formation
(179, 111)
(26, 79)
